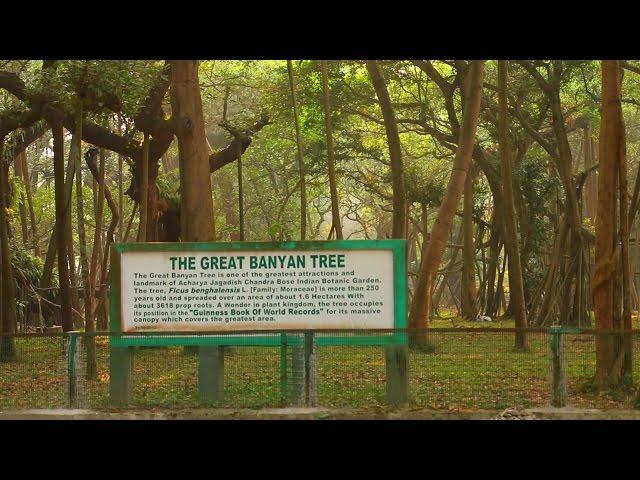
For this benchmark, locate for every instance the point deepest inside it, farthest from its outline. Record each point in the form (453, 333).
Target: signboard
(225, 287)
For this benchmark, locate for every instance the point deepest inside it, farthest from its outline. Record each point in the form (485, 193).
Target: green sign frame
(268, 338)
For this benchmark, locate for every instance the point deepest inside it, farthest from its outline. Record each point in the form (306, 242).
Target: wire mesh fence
(480, 370)
(579, 360)
(473, 368)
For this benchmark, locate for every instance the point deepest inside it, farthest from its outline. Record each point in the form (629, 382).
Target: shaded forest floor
(467, 371)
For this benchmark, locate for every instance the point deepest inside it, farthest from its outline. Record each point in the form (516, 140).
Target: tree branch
(241, 141)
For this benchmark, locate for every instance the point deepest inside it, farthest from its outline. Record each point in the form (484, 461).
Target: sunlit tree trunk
(591, 184)
(512, 246)
(49, 261)
(437, 296)
(120, 191)
(89, 325)
(492, 267)
(395, 152)
(32, 216)
(18, 165)
(8, 319)
(469, 291)
(68, 238)
(240, 197)
(300, 156)
(50, 257)
(61, 216)
(96, 252)
(98, 173)
(144, 191)
(625, 273)
(196, 214)
(421, 305)
(609, 357)
(336, 226)
(195, 180)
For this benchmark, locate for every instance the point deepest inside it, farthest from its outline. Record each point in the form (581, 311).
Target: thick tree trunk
(512, 246)
(18, 165)
(49, 261)
(446, 275)
(625, 272)
(68, 239)
(32, 216)
(196, 215)
(395, 152)
(8, 319)
(300, 156)
(197, 222)
(421, 305)
(499, 297)
(565, 162)
(336, 226)
(120, 197)
(99, 174)
(492, 267)
(240, 198)
(549, 290)
(61, 216)
(89, 325)
(635, 199)
(469, 288)
(591, 184)
(144, 191)
(96, 252)
(608, 351)
(121, 186)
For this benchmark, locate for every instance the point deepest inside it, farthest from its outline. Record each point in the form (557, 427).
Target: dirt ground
(320, 414)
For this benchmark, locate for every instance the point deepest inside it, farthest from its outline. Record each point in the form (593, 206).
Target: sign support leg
(397, 366)
(120, 360)
(211, 374)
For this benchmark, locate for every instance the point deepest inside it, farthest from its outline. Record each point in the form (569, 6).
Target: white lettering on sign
(248, 290)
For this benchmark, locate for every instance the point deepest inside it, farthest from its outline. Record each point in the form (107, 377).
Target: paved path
(320, 414)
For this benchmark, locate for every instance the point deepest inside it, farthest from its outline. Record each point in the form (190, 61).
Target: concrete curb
(291, 413)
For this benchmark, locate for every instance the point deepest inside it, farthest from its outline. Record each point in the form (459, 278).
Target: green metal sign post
(211, 343)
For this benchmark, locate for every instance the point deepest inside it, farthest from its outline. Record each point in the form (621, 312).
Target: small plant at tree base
(621, 391)
(7, 350)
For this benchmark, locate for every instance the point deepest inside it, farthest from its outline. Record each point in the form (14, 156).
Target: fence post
(296, 386)
(558, 378)
(120, 365)
(310, 390)
(73, 353)
(303, 388)
(211, 374)
(397, 367)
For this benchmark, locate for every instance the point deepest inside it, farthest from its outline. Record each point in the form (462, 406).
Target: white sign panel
(255, 290)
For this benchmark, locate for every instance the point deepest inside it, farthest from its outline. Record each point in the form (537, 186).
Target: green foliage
(29, 266)
(17, 191)
(169, 187)
(537, 188)
(98, 82)
(426, 180)
(27, 273)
